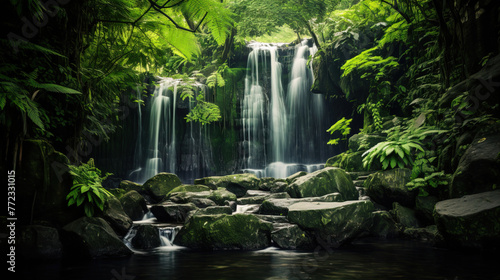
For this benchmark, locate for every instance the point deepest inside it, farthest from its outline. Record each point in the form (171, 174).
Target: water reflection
(364, 260)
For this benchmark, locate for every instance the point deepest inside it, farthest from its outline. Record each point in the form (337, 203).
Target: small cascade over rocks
(283, 130)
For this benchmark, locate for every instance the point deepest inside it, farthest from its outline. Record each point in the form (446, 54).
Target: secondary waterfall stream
(281, 129)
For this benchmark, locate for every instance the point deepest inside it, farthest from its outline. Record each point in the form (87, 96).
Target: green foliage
(87, 188)
(425, 175)
(370, 64)
(343, 126)
(204, 112)
(398, 150)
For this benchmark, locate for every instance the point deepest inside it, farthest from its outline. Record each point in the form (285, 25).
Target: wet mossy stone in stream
(384, 225)
(322, 182)
(116, 217)
(472, 221)
(92, 238)
(339, 222)
(387, 187)
(225, 232)
(172, 213)
(161, 184)
(292, 237)
(235, 183)
(146, 237)
(134, 205)
(405, 216)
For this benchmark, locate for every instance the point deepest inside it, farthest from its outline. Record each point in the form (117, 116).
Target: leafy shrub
(87, 188)
(398, 150)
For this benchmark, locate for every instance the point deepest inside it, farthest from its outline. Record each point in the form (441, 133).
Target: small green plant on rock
(87, 189)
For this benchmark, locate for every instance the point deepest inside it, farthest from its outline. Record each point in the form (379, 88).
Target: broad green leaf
(393, 162)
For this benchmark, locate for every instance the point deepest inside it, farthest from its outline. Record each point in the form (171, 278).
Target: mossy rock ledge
(472, 221)
(225, 232)
(322, 182)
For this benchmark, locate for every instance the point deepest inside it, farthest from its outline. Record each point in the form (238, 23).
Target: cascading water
(282, 131)
(166, 143)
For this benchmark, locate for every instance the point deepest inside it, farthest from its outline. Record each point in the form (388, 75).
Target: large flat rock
(322, 182)
(340, 221)
(472, 221)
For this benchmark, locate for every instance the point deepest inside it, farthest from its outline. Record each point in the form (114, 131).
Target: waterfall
(282, 130)
(165, 142)
(161, 131)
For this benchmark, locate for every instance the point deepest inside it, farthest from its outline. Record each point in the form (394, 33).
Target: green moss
(189, 188)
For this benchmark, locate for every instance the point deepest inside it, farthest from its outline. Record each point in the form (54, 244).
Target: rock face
(115, 215)
(341, 221)
(134, 205)
(39, 242)
(389, 186)
(161, 184)
(92, 238)
(225, 232)
(236, 183)
(322, 182)
(291, 237)
(479, 168)
(146, 237)
(172, 213)
(472, 221)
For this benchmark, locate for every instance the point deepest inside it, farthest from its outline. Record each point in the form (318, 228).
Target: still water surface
(363, 260)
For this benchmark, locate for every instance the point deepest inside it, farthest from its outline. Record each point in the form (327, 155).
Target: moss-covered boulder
(131, 186)
(146, 237)
(292, 237)
(115, 215)
(272, 184)
(472, 221)
(405, 216)
(38, 242)
(261, 198)
(290, 179)
(213, 210)
(384, 225)
(92, 238)
(424, 208)
(387, 187)
(341, 221)
(236, 183)
(161, 184)
(134, 205)
(185, 197)
(189, 188)
(322, 182)
(429, 234)
(221, 195)
(172, 213)
(479, 168)
(225, 232)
